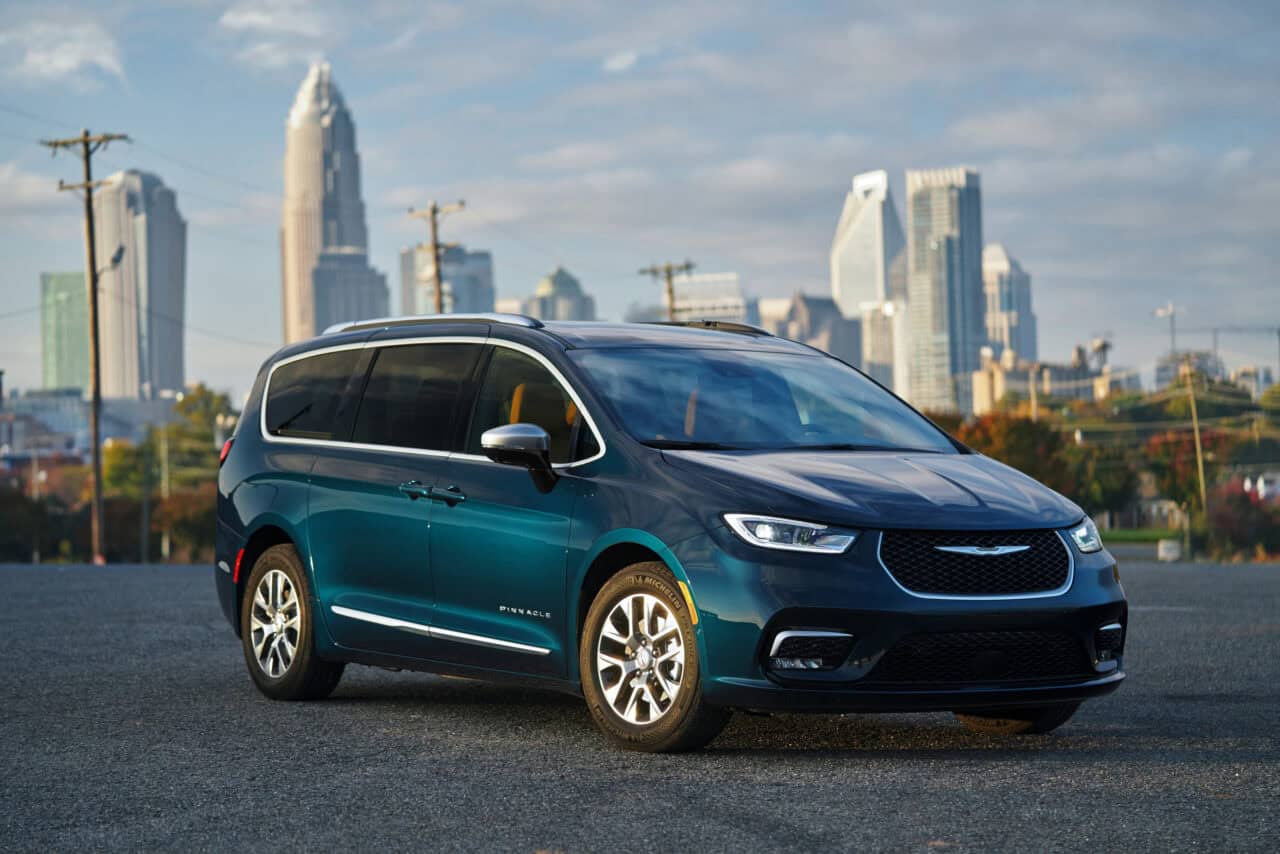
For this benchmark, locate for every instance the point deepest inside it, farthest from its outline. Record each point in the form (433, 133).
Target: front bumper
(745, 598)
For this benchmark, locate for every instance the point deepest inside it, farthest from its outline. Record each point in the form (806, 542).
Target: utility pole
(1034, 380)
(432, 214)
(668, 272)
(89, 145)
(1170, 311)
(164, 487)
(35, 497)
(1195, 429)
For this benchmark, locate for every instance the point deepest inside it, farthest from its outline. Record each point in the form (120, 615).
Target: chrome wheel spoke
(640, 658)
(275, 623)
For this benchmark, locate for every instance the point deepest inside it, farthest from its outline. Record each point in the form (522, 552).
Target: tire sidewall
(285, 559)
(655, 580)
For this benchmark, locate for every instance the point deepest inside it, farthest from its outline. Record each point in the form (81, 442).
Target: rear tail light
(226, 449)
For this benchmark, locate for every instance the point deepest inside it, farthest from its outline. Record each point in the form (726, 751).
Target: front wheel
(638, 659)
(1017, 721)
(277, 629)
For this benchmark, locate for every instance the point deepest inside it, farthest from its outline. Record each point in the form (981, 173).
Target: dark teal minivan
(671, 520)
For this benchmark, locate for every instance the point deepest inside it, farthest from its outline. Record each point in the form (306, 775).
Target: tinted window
(518, 389)
(752, 399)
(305, 398)
(413, 394)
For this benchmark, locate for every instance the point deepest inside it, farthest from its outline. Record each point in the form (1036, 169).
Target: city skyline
(1091, 131)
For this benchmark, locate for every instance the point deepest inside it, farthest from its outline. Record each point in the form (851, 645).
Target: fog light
(796, 663)
(809, 649)
(1108, 644)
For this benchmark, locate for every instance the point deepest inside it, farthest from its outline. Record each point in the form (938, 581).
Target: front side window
(413, 394)
(518, 389)
(305, 398)
(750, 399)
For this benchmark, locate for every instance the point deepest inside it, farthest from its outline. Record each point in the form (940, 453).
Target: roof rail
(414, 319)
(718, 325)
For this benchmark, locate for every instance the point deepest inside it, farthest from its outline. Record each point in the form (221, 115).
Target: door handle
(451, 496)
(415, 489)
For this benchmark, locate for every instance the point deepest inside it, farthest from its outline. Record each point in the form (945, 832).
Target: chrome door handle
(415, 489)
(451, 496)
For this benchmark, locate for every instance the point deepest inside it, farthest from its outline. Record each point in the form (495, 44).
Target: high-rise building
(468, 280)
(886, 341)
(1010, 321)
(346, 288)
(64, 331)
(323, 211)
(142, 246)
(711, 296)
(559, 296)
(868, 254)
(818, 322)
(944, 285)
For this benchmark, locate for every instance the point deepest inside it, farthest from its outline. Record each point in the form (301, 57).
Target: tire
(631, 700)
(301, 675)
(1017, 721)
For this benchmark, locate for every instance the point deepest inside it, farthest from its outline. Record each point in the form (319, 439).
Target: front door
(370, 500)
(498, 549)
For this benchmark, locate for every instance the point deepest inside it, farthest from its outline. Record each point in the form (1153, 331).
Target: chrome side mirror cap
(526, 445)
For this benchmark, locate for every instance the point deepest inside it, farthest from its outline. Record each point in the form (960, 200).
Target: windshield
(749, 399)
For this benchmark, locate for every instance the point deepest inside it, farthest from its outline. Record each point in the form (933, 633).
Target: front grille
(968, 657)
(832, 650)
(913, 558)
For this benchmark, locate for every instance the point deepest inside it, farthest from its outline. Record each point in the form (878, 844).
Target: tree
(1033, 447)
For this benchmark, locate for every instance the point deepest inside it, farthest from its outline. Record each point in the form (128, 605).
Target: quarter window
(519, 389)
(413, 394)
(306, 399)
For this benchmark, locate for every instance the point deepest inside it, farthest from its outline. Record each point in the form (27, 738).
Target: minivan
(672, 521)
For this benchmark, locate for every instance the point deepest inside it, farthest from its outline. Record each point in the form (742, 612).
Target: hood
(881, 490)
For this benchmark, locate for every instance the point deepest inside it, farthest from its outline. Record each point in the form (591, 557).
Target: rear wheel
(277, 630)
(639, 665)
(1017, 721)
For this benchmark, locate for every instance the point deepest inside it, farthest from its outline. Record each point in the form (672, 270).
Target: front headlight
(770, 532)
(1086, 537)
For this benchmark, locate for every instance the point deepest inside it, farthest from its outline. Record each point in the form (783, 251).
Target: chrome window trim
(802, 633)
(1059, 591)
(436, 632)
(424, 452)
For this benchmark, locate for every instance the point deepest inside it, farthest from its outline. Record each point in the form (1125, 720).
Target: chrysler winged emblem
(982, 551)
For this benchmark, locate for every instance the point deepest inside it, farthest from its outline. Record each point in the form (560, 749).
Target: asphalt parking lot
(129, 722)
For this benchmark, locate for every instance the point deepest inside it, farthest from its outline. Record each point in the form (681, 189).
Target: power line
(667, 272)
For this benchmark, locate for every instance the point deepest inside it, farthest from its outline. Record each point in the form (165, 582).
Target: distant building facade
(944, 284)
(142, 295)
(1010, 320)
(1173, 366)
(868, 253)
(711, 296)
(64, 331)
(818, 322)
(559, 296)
(323, 213)
(468, 280)
(346, 288)
(1000, 377)
(886, 342)
(1253, 379)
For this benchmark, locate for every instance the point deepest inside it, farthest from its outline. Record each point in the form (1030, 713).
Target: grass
(1140, 535)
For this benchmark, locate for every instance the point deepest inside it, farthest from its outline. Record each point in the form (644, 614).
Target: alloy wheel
(275, 623)
(640, 658)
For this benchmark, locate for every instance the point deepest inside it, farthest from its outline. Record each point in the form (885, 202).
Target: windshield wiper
(687, 445)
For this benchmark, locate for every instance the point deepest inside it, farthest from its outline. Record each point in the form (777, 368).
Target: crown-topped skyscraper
(323, 240)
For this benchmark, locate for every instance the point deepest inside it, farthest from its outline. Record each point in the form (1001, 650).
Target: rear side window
(305, 398)
(518, 388)
(413, 395)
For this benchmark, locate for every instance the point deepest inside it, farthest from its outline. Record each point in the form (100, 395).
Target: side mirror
(526, 445)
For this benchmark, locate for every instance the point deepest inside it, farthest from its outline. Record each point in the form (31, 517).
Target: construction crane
(1240, 330)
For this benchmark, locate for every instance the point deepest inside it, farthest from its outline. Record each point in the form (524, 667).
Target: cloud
(281, 33)
(623, 60)
(25, 193)
(78, 52)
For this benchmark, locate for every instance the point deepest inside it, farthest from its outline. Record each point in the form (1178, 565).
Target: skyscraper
(944, 283)
(64, 331)
(886, 342)
(559, 296)
(323, 211)
(868, 260)
(468, 280)
(142, 244)
(1010, 322)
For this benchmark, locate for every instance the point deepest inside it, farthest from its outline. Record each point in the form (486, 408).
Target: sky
(1128, 153)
